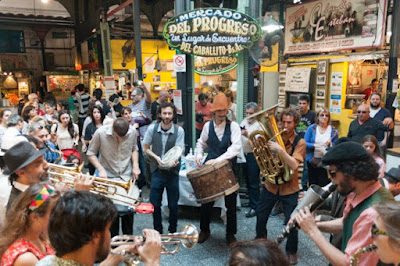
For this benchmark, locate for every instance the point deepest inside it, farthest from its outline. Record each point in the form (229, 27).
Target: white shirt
(64, 140)
(250, 128)
(236, 140)
(321, 139)
(373, 112)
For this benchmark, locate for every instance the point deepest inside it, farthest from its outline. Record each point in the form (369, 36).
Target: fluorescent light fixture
(272, 27)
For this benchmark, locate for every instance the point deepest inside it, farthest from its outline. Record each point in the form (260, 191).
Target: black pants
(317, 175)
(126, 216)
(230, 204)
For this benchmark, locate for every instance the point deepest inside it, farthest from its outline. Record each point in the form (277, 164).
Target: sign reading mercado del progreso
(212, 32)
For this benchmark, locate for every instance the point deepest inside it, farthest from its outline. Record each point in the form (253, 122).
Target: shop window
(12, 41)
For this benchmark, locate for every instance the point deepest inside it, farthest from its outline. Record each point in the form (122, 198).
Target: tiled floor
(215, 251)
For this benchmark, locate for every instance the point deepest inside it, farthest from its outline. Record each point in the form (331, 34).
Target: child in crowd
(370, 143)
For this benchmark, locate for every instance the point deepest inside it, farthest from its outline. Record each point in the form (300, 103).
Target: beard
(102, 250)
(166, 121)
(374, 105)
(345, 188)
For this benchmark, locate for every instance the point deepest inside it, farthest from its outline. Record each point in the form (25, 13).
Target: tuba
(272, 167)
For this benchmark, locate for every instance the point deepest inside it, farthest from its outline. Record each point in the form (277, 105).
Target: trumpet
(170, 243)
(103, 186)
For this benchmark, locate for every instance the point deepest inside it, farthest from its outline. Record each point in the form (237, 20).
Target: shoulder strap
(295, 141)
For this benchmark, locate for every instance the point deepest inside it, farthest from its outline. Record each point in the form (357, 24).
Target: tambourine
(172, 155)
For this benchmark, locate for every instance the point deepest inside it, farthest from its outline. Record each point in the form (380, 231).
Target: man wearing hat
(393, 178)
(355, 173)
(222, 138)
(26, 166)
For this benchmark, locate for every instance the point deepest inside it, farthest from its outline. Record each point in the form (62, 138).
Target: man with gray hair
(141, 101)
(251, 169)
(14, 127)
(41, 134)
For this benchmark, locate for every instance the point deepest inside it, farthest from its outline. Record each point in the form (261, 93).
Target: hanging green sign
(212, 32)
(214, 65)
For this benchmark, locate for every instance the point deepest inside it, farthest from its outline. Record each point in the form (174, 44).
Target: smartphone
(116, 101)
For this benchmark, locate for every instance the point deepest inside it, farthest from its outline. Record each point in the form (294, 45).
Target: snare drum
(212, 182)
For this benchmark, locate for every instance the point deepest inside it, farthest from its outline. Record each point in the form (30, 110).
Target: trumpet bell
(191, 236)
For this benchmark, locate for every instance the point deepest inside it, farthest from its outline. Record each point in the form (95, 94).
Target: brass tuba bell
(272, 167)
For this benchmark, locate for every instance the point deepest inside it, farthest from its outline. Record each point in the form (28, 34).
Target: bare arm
(135, 164)
(334, 226)
(292, 162)
(147, 95)
(150, 153)
(96, 163)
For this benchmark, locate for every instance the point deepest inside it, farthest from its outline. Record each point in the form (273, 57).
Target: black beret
(345, 151)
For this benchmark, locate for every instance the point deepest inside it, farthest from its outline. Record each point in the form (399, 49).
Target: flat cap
(345, 151)
(394, 173)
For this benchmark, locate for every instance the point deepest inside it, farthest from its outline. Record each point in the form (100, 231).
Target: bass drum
(212, 182)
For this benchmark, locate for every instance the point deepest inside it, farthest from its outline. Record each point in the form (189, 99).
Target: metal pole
(185, 83)
(394, 54)
(138, 39)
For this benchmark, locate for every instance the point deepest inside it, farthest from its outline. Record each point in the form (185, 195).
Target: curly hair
(365, 170)
(290, 112)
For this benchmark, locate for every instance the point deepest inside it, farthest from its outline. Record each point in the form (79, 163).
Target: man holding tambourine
(159, 139)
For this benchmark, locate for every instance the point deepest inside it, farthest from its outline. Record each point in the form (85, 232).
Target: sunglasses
(375, 231)
(332, 173)
(363, 112)
(324, 115)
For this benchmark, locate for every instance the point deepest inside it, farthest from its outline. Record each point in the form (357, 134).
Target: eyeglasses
(324, 115)
(375, 231)
(332, 173)
(364, 112)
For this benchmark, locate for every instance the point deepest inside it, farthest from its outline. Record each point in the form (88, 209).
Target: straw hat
(220, 103)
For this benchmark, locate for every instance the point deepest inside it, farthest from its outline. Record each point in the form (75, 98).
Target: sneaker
(203, 236)
(230, 238)
(251, 213)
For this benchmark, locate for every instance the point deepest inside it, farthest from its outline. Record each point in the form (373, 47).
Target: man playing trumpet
(158, 140)
(355, 173)
(79, 232)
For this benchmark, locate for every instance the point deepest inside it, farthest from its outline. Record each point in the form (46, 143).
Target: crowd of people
(63, 224)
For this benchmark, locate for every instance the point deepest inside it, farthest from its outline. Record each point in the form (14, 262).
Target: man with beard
(355, 173)
(365, 125)
(223, 141)
(203, 113)
(381, 114)
(79, 232)
(159, 139)
(292, 154)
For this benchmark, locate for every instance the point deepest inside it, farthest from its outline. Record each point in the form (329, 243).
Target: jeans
(230, 204)
(304, 178)
(159, 181)
(263, 210)
(252, 175)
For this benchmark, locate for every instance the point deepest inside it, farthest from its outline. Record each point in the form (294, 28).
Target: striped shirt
(85, 98)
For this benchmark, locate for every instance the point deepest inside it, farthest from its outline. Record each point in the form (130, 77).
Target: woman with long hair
(319, 137)
(65, 133)
(28, 113)
(4, 115)
(97, 116)
(385, 232)
(232, 106)
(24, 234)
(370, 143)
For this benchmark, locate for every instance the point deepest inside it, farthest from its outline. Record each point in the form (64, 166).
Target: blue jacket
(309, 137)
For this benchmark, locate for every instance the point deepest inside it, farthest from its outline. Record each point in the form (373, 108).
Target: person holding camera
(203, 113)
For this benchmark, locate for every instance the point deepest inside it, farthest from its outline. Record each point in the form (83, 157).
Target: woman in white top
(65, 133)
(232, 106)
(4, 115)
(319, 137)
(370, 143)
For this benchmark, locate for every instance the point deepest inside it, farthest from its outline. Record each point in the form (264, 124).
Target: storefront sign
(211, 32)
(332, 25)
(298, 79)
(214, 65)
(109, 83)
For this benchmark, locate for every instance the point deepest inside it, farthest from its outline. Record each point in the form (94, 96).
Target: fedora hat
(9, 143)
(394, 173)
(20, 155)
(220, 103)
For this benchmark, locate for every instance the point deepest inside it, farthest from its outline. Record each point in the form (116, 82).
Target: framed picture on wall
(281, 102)
(319, 106)
(282, 78)
(282, 68)
(320, 94)
(321, 67)
(321, 79)
(281, 91)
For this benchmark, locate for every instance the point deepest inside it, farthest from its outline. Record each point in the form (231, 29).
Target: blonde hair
(321, 111)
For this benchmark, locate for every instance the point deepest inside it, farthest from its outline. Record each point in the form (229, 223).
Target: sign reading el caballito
(212, 32)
